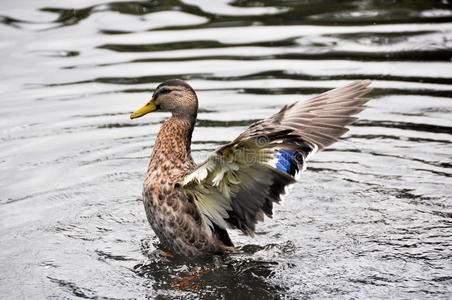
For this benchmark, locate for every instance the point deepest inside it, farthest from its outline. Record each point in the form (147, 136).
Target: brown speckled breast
(169, 210)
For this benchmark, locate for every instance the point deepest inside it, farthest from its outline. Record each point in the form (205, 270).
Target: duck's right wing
(239, 182)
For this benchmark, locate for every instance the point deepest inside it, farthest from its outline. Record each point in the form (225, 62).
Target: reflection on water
(371, 216)
(231, 276)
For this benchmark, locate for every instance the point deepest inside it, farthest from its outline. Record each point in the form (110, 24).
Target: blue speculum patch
(286, 161)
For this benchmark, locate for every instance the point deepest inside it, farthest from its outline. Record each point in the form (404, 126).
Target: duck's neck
(174, 140)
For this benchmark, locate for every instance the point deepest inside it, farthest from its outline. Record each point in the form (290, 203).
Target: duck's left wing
(239, 182)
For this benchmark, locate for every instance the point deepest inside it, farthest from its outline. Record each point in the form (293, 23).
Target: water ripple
(370, 216)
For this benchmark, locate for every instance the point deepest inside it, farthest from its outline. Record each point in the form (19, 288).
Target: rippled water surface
(370, 218)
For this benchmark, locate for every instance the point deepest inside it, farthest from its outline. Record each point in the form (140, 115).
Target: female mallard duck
(189, 206)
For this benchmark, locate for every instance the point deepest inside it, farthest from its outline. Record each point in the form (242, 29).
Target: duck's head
(174, 96)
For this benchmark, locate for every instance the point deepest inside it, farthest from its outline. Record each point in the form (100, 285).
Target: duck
(191, 206)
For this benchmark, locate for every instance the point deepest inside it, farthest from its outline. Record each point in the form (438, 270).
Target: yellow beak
(150, 106)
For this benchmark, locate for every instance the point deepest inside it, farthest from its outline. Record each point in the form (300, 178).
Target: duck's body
(189, 206)
(169, 209)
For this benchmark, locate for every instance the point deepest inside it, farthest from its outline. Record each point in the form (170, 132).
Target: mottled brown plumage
(170, 211)
(190, 206)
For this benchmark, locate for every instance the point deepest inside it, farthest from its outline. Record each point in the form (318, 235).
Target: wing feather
(238, 184)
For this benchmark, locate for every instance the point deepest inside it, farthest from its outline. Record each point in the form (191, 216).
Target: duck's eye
(164, 91)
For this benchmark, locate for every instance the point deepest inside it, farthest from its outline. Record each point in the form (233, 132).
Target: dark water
(370, 218)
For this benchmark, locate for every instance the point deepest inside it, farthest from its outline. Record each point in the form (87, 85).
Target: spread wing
(240, 181)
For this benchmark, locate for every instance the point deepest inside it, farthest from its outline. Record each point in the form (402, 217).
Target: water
(370, 218)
